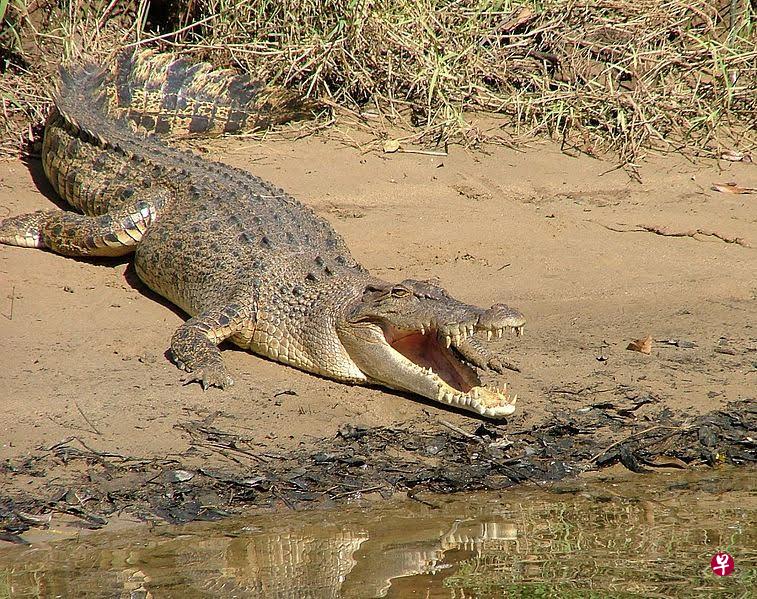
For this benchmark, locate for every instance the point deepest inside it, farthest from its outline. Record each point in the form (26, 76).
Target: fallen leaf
(734, 156)
(732, 187)
(391, 146)
(630, 461)
(643, 346)
(179, 476)
(665, 461)
(524, 15)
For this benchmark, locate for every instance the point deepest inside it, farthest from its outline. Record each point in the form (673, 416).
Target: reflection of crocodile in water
(576, 539)
(248, 262)
(309, 562)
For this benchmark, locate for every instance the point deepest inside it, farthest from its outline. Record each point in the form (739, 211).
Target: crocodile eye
(400, 291)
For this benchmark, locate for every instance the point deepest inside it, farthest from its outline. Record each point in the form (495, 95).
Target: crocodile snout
(501, 316)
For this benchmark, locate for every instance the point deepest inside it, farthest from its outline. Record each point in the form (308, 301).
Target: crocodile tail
(82, 98)
(162, 94)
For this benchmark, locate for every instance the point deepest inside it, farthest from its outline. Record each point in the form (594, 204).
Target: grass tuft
(610, 76)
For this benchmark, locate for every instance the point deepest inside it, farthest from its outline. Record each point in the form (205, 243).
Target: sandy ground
(82, 344)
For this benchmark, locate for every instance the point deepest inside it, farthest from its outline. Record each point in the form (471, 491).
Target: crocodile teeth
(423, 330)
(489, 401)
(447, 340)
(499, 333)
(488, 335)
(500, 390)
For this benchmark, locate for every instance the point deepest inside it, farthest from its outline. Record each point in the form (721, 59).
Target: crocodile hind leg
(194, 345)
(112, 234)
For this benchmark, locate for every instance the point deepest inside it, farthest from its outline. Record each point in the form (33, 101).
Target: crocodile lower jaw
(446, 378)
(491, 402)
(486, 401)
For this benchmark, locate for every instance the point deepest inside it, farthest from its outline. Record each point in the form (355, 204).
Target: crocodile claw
(499, 366)
(213, 375)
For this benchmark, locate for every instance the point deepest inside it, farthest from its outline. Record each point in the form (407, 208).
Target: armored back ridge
(245, 260)
(169, 95)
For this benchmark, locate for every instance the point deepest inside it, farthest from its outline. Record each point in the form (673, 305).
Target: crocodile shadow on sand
(42, 183)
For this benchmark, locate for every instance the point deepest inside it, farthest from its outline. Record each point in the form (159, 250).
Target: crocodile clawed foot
(499, 365)
(482, 357)
(211, 375)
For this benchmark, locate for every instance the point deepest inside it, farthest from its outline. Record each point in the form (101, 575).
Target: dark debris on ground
(361, 461)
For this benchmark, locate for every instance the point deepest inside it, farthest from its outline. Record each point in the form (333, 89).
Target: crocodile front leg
(481, 357)
(194, 345)
(112, 234)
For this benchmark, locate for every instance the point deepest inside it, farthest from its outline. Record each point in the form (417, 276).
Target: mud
(381, 461)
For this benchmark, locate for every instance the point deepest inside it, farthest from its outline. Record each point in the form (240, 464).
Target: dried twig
(423, 152)
(459, 431)
(12, 298)
(361, 491)
(633, 436)
(165, 36)
(89, 422)
(667, 232)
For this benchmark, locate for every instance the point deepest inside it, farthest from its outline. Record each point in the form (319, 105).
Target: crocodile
(246, 261)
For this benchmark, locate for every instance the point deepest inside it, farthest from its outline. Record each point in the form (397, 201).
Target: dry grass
(34, 38)
(616, 76)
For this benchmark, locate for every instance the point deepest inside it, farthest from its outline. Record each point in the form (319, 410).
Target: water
(647, 536)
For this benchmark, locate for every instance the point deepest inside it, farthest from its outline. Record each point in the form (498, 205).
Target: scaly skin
(245, 260)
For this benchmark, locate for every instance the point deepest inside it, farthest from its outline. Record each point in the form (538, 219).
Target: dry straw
(617, 76)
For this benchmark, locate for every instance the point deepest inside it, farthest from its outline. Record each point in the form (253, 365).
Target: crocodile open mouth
(426, 350)
(437, 361)
(434, 357)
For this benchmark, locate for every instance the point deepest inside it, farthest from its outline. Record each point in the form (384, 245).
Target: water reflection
(650, 536)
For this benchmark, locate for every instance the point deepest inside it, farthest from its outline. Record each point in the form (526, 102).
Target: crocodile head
(414, 337)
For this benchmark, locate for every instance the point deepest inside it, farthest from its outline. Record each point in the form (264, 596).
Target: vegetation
(617, 76)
